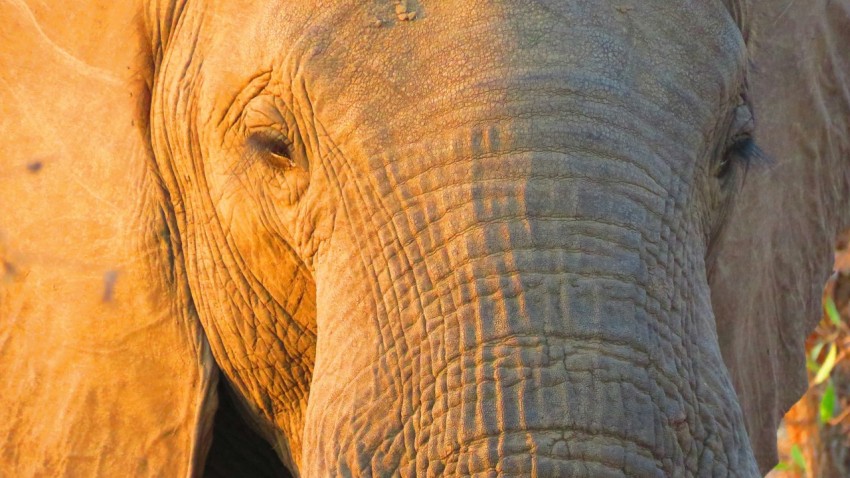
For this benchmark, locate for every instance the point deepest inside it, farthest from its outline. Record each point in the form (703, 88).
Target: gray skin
(522, 238)
(485, 240)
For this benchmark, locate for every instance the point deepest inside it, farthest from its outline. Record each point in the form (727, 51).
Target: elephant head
(431, 238)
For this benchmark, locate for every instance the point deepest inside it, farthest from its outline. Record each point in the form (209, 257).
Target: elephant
(413, 237)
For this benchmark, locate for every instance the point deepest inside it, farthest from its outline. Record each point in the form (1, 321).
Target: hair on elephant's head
(522, 238)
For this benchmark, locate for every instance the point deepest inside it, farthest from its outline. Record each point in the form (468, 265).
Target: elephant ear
(775, 253)
(104, 370)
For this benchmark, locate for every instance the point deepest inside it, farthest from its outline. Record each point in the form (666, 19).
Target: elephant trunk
(544, 316)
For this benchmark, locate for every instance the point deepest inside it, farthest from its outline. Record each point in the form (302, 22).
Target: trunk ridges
(585, 325)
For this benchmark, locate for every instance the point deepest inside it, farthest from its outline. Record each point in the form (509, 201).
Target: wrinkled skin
(514, 238)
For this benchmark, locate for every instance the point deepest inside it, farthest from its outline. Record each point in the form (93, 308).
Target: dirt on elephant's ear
(814, 440)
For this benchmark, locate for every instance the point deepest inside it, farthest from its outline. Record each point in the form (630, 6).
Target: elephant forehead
(362, 64)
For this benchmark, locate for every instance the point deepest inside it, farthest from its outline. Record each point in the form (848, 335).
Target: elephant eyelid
(741, 148)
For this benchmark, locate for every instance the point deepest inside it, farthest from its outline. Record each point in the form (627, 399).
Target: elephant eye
(274, 148)
(742, 150)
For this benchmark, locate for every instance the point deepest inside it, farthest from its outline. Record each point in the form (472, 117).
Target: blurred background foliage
(814, 440)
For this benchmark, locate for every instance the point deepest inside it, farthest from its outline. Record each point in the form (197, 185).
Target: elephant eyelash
(275, 149)
(744, 152)
(748, 151)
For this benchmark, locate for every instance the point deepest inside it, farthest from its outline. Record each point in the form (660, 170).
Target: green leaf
(812, 366)
(782, 466)
(832, 311)
(816, 350)
(827, 403)
(828, 364)
(797, 457)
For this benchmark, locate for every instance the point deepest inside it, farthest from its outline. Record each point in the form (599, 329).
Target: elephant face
(472, 240)
(413, 238)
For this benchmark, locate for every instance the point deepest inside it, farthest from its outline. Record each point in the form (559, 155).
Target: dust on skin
(404, 11)
(8, 269)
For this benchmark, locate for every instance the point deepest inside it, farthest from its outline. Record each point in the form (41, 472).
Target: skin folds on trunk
(511, 335)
